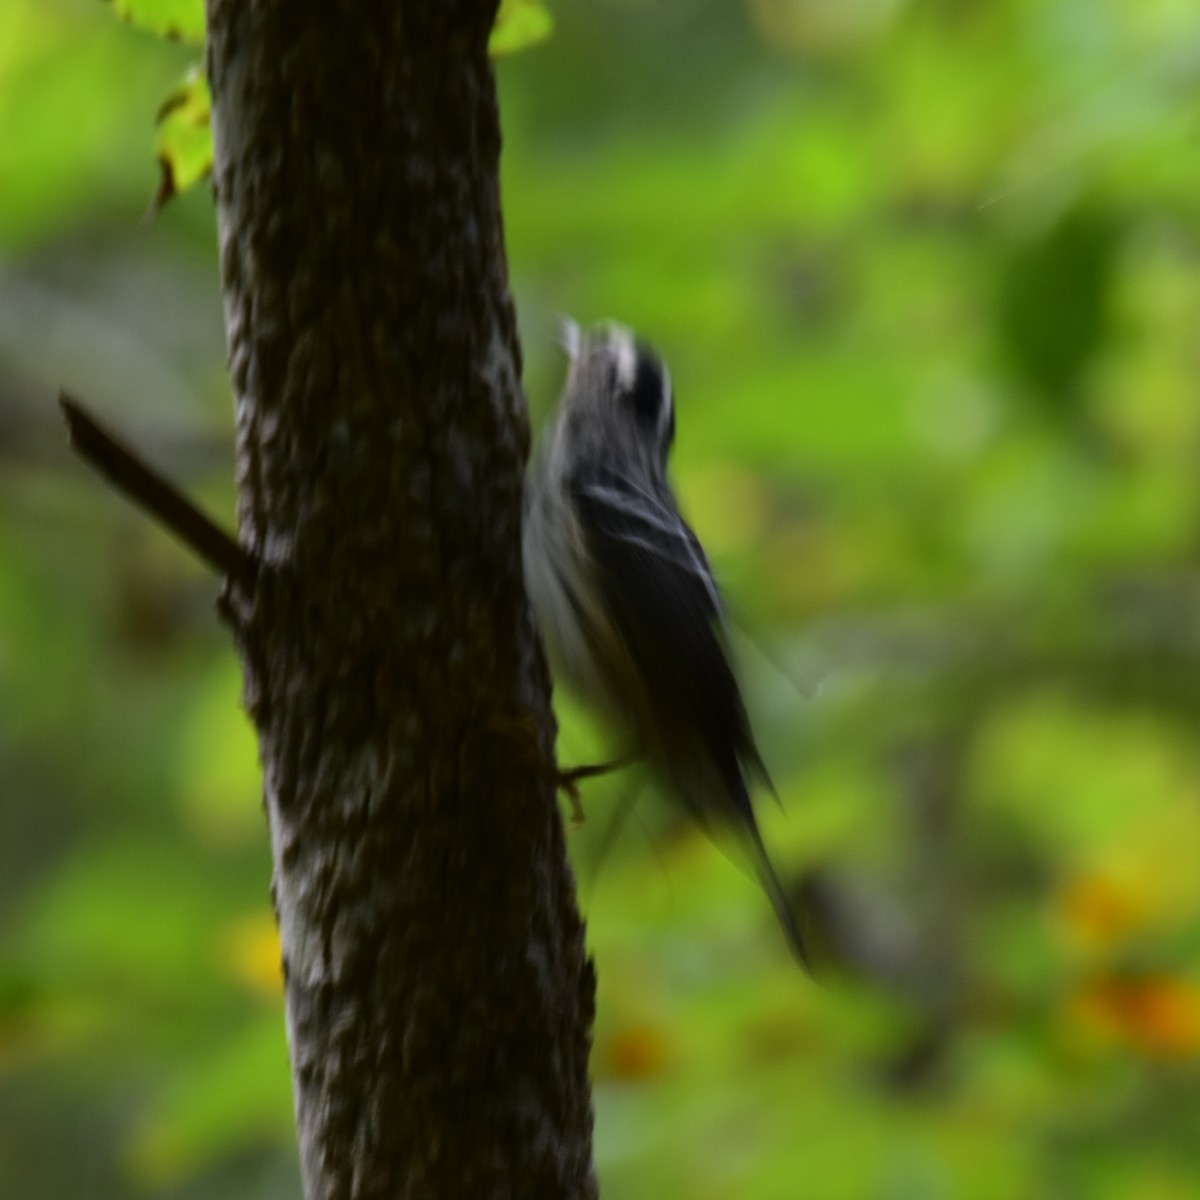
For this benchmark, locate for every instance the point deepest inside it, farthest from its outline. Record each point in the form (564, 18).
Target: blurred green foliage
(926, 275)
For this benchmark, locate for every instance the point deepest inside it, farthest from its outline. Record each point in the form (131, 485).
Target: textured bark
(439, 998)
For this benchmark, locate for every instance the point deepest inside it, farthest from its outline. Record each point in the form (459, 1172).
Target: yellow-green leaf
(184, 141)
(519, 24)
(181, 19)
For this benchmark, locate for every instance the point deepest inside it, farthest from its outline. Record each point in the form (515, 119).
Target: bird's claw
(568, 781)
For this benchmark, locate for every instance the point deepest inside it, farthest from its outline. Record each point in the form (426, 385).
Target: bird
(627, 602)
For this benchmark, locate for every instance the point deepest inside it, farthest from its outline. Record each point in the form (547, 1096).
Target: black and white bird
(626, 598)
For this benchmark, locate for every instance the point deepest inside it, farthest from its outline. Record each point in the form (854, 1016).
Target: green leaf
(519, 24)
(182, 20)
(184, 142)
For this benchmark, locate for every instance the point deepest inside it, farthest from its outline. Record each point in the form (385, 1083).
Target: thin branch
(154, 494)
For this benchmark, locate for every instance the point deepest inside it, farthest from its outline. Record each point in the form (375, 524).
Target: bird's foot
(568, 781)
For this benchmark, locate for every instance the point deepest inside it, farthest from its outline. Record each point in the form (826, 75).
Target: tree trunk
(439, 997)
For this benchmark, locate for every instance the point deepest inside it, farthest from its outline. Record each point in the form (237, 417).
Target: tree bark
(439, 996)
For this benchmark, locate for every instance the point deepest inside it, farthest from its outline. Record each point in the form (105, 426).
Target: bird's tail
(784, 910)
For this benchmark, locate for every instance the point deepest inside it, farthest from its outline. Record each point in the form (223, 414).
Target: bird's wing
(657, 585)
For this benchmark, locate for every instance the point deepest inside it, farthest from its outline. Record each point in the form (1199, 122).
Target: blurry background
(927, 276)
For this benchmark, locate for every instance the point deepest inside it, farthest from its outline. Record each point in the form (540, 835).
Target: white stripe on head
(624, 350)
